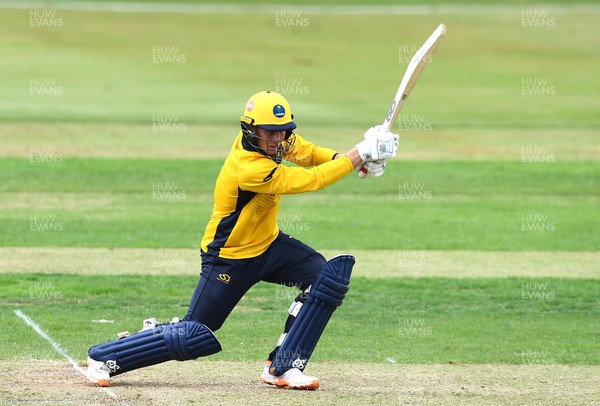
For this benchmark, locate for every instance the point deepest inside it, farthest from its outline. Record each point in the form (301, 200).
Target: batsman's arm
(306, 154)
(264, 176)
(354, 157)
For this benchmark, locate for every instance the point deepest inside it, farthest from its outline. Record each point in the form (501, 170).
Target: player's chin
(271, 150)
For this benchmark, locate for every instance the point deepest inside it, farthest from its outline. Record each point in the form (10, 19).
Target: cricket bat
(413, 71)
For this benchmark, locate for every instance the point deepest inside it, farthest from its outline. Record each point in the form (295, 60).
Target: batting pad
(326, 294)
(180, 341)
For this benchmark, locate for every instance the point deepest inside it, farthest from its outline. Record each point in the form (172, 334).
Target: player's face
(269, 140)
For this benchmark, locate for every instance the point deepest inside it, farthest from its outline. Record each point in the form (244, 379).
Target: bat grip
(362, 173)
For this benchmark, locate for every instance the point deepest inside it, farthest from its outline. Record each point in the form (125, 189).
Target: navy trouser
(223, 282)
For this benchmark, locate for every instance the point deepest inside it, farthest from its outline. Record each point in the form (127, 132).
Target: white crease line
(59, 349)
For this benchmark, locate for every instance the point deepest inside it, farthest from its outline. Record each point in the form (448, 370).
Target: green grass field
(478, 259)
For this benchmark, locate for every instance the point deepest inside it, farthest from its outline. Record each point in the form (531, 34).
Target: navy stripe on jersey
(227, 224)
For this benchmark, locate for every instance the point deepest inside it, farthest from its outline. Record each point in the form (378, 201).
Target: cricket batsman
(242, 245)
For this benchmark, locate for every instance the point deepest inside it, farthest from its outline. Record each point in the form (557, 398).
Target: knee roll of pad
(326, 294)
(328, 290)
(180, 341)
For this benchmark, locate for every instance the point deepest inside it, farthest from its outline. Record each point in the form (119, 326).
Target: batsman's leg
(292, 314)
(311, 317)
(180, 341)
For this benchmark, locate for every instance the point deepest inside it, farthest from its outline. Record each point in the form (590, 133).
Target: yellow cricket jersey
(246, 198)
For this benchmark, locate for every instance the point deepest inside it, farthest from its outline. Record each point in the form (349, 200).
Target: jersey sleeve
(261, 175)
(305, 153)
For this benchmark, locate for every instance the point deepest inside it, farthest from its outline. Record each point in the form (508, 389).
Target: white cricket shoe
(98, 372)
(292, 378)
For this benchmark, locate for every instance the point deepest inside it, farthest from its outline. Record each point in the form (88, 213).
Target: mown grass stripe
(477, 320)
(370, 263)
(435, 205)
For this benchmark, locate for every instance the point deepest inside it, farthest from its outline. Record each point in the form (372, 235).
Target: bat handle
(362, 173)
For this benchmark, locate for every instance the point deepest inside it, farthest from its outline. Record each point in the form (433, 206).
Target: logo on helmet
(278, 111)
(250, 105)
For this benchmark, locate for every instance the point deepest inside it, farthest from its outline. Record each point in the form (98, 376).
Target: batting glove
(376, 168)
(382, 145)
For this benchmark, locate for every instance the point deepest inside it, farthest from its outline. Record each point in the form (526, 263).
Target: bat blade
(413, 71)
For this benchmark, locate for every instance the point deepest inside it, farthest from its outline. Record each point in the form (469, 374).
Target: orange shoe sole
(282, 383)
(104, 384)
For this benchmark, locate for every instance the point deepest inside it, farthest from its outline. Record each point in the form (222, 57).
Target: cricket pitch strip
(33, 382)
